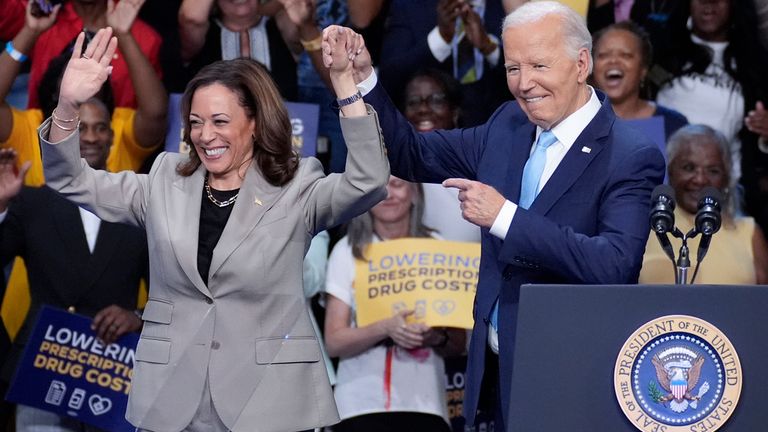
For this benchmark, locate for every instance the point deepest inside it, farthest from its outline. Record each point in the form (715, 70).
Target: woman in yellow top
(700, 157)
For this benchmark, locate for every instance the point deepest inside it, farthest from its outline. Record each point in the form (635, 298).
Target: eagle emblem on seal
(678, 370)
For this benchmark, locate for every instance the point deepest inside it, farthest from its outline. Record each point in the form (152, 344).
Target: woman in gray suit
(227, 342)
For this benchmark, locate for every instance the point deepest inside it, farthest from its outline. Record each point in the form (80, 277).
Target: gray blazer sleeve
(113, 197)
(335, 199)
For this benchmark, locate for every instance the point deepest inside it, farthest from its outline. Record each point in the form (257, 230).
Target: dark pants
(489, 405)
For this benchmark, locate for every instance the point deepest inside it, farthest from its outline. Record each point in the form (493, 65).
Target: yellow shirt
(125, 153)
(729, 261)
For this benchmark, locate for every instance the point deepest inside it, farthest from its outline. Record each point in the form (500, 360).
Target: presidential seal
(678, 373)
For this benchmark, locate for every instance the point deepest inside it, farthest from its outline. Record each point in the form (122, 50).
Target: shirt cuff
(366, 86)
(504, 219)
(493, 57)
(762, 144)
(440, 49)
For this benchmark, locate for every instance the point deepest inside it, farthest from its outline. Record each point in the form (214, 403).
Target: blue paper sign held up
(65, 369)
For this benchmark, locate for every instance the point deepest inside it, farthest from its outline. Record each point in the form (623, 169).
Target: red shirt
(50, 44)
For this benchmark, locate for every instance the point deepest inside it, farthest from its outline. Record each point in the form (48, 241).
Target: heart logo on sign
(443, 307)
(99, 405)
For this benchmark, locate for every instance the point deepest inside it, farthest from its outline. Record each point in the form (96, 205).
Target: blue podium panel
(690, 358)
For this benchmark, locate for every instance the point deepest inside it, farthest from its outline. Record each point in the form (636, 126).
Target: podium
(569, 338)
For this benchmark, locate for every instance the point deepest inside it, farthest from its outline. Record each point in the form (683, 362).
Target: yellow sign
(579, 6)
(678, 373)
(436, 279)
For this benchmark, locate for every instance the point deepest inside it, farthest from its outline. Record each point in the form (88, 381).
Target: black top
(212, 221)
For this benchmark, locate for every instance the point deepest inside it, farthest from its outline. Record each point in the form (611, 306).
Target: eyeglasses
(436, 101)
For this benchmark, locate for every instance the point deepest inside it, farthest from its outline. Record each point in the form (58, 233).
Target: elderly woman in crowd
(623, 54)
(699, 157)
(227, 342)
(391, 374)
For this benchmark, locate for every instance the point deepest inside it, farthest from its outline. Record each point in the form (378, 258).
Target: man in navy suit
(560, 188)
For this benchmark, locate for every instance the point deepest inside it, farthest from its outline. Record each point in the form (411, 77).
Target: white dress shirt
(566, 132)
(91, 224)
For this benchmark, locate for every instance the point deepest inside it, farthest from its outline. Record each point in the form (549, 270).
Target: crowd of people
(520, 125)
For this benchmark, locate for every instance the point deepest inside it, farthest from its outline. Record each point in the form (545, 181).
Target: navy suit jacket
(588, 225)
(46, 230)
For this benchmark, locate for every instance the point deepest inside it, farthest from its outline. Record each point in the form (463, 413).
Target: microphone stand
(683, 259)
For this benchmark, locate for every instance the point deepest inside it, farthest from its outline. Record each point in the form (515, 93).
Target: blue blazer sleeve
(429, 157)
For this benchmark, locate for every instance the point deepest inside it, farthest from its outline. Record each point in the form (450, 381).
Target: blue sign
(304, 121)
(304, 124)
(65, 369)
(455, 368)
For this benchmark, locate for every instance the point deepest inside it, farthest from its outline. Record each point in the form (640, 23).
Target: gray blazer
(249, 330)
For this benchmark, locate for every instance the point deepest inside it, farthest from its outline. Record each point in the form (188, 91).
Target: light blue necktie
(532, 172)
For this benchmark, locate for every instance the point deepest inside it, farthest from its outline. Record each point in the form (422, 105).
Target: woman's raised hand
(86, 73)
(342, 46)
(336, 56)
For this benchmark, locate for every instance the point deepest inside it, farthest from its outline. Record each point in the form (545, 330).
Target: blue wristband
(14, 53)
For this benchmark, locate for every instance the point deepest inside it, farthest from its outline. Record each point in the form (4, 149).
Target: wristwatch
(350, 100)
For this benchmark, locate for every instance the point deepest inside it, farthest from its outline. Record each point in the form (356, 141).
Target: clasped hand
(413, 335)
(344, 50)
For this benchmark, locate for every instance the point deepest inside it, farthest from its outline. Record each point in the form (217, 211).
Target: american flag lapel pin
(586, 149)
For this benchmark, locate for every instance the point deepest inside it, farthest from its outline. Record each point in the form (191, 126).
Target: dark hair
(646, 49)
(744, 58)
(48, 90)
(449, 84)
(258, 95)
(360, 229)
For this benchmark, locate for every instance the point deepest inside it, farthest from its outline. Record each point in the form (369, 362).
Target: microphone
(708, 219)
(662, 216)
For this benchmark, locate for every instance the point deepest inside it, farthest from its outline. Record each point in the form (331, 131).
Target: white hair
(574, 27)
(700, 135)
